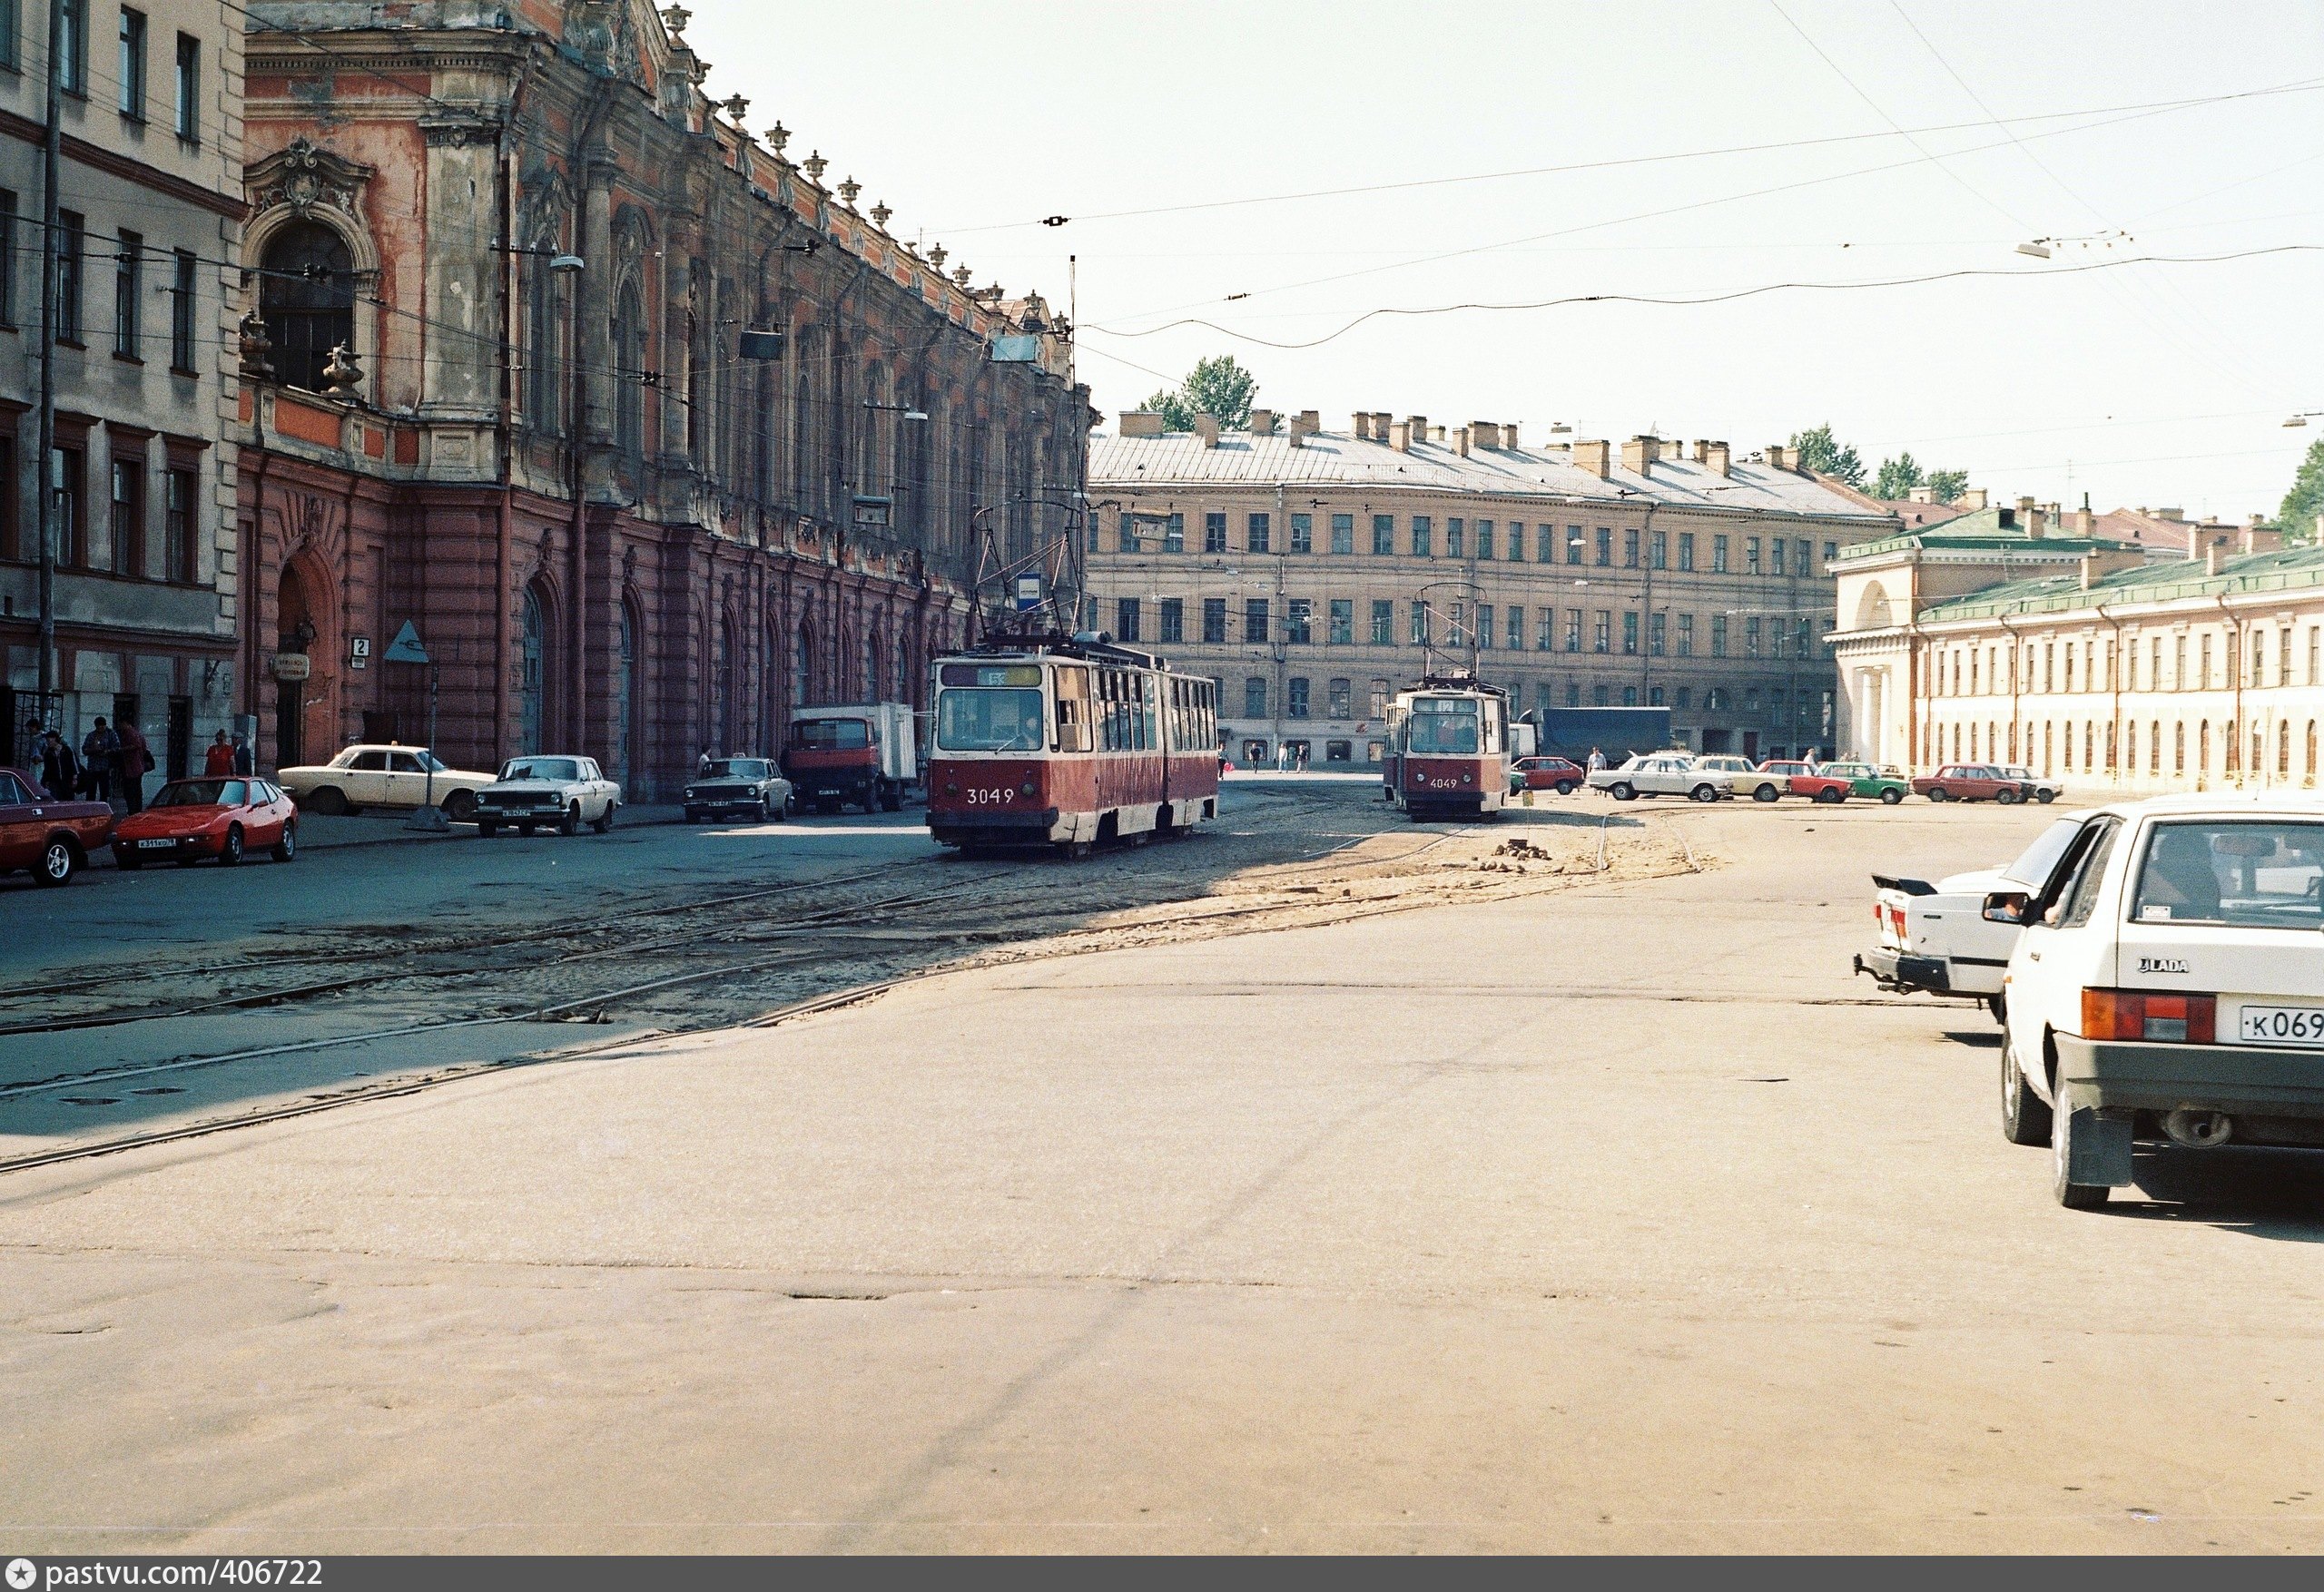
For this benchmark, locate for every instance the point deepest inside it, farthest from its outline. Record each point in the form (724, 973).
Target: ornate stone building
(649, 431)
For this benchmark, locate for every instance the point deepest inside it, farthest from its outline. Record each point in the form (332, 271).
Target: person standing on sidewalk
(97, 749)
(131, 759)
(60, 770)
(244, 763)
(218, 763)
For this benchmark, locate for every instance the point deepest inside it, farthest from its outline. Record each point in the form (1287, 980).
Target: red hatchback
(193, 819)
(1972, 781)
(1547, 773)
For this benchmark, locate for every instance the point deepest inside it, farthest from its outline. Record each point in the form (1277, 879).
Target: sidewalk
(318, 831)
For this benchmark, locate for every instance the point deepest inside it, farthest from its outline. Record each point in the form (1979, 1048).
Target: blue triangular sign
(405, 647)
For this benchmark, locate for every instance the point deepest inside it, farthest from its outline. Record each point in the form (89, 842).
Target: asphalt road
(1616, 1219)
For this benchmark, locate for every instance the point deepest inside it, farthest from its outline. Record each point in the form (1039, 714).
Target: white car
(384, 775)
(1936, 939)
(1746, 778)
(547, 793)
(2044, 789)
(2167, 983)
(1659, 773)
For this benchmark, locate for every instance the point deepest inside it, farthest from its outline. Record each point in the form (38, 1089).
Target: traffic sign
(405, 647)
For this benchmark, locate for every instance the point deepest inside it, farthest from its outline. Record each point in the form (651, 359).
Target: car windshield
(2037, 861)
(2243, 873)
(540, 768)
(1442, 728)
(989, 718)
(830, 734)
(735, 768)
(203, 793)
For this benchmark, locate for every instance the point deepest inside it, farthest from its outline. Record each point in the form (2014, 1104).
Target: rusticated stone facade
(615, 532)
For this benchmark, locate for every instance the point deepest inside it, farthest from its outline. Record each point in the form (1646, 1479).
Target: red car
(53, 838)
(193, 819)
(1546, 773)
(1972, 781)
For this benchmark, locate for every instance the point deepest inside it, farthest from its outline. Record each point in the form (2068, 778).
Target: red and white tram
(1068, 742)
(1448, 748)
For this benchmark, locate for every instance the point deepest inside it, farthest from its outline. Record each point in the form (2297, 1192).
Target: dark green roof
(1982, 529)
(2289, 569)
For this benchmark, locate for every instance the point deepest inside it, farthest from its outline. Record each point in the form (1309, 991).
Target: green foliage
(2304, 501)
(1947, 486)
(1218, 386)
(1822, 453)
(1898, 476)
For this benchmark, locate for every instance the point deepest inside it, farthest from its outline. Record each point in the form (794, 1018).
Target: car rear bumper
(2238, 1080)
(1895, 969)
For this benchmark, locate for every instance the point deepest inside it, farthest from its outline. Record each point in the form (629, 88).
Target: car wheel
(58, 863)
(1705, 793)
(605, 824)
(1890, 797)
(231, 851)
(460, 806)
(1766, 793)
(2025, 1116)
(2007, 798)
(2073, 1196)
(1829, 796)
(1939, 793)
(770, 810)
(1624, 791)
(331, 802)
(2045, 797)
(286, 849)
(487, 828)
(1565, 787)
(570, 824)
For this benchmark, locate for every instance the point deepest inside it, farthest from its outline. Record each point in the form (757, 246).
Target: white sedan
(547, 793)
(1659, 773)
(2167, 986)
(385, 775)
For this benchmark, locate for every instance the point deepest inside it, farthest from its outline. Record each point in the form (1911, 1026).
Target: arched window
(629, 372)
(2203, 747)
(2155, 747)
(872, 654)
(804, 672)
(534, 672)
(2179, 747)
(544, 323)
(2308, 768)
(306, 298)
(2283, 748)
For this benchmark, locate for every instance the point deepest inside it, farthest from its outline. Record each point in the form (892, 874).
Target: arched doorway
(299, 623)
(306, 298)
(803, 672)
(725, 684)
(536, 667)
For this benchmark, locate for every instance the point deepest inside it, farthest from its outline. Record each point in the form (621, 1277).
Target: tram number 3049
(987, 795)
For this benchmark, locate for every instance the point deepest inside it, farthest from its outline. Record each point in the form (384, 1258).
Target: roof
(1913, 513)
(2289, 569)
(1325, 458)
(1982, 530)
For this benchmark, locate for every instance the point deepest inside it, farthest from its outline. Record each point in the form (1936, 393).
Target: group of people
(113, 761)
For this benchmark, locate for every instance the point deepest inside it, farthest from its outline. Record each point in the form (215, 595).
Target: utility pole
(52, 148)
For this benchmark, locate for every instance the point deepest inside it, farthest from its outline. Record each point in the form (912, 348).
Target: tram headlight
(952, 788)
(1026, 789)
(1468, 779)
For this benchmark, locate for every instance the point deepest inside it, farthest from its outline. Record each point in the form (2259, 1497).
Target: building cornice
(114, 163)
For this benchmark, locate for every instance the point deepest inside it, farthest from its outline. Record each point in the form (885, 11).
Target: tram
(1070, 742)
(1448, 748)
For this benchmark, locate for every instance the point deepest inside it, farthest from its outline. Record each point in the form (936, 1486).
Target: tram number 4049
(1443, 784)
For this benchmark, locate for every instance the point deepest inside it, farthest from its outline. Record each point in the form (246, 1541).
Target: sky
(1153, 127)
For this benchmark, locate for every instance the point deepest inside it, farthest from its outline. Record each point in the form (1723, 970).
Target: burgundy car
(53, 838)
(1546, 773)
(1972, 781)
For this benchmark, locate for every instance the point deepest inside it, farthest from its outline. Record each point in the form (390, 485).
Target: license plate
(157, 845)
(2283, 1024)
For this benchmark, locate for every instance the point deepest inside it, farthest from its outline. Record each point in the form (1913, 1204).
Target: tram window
(1444, 727)
(1073, 709)
(990, 718)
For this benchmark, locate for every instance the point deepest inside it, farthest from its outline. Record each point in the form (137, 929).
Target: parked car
(1793, 770)
(2166, 985)
(1659, 773)
(1936, 938)
(1971, 782)
(384, 775)
(2043, 788)
(1546, 773)
(1746, 778)
(1836, 782)
(537, 792)
(51, 838)
(738, 787)
(190, 820)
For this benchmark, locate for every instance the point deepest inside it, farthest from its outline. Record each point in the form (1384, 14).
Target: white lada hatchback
(2168, 985)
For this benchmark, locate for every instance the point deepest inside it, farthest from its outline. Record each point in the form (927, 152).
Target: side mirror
(2006, 907)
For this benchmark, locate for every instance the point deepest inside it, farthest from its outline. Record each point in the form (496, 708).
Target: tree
(2304, 501)
(1820, 452)
(1218, 386)
(1898, 476)
(1947, 486)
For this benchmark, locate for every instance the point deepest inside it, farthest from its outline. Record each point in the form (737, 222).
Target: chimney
(1484, 434)
(1206, 427)
(2170, 514)
(1308, 421)
(1416, 429)
(1783, 456)
(1461, 442)
(1400, 436)
(2211, 559)
(2036, 521)
(1141, 423)
(1715, 454)
(1362, 426)
(1509, 437)
(2089, 570)
(1263, 422)
(1973, 499)
(1379, 425)
(1920, 495)
(1639, 454)
(1591, 457)
(2085, 524)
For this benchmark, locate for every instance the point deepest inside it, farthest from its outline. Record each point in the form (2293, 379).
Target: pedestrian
(1596, 760)
(131, 760)
(218, 763)
(97, 749)
(244, 763)
(702, 764)
(1302, 757)
(60, 770)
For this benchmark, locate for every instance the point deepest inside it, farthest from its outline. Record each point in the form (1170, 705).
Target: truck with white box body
(865, 755)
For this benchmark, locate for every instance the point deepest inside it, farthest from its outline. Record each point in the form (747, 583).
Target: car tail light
(2132, 1014)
